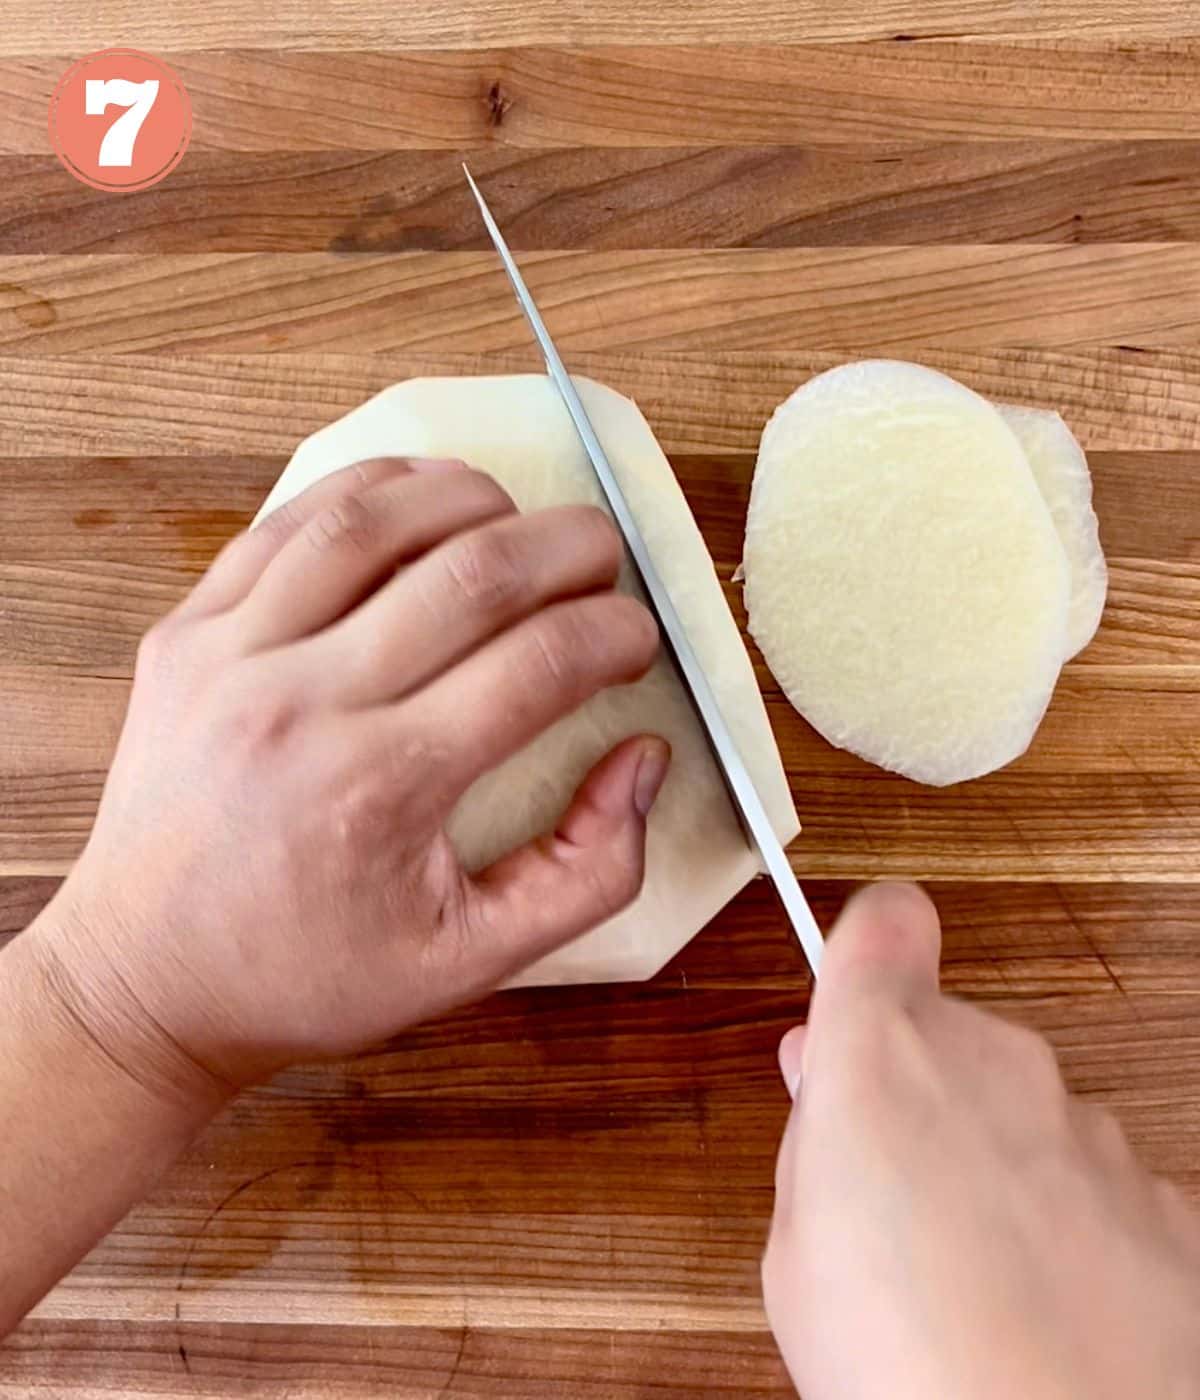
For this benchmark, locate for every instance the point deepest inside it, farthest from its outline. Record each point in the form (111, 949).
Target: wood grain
(30, 28)
(1119, 824)
(1115, 398)
(894, 298)
(566, 1193)
(168, 515)
(286, 1362)
(747, 197)
(1020, 942)
(348, 1208)
(338, 103)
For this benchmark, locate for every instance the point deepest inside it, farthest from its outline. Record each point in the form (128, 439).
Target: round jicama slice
(904, 578)
(1061, 471)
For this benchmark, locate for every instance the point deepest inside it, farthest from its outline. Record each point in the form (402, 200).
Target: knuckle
(552, 647)
(1041, 1057)
(612, 886)
(347, 522)
(234, 548)
(484, 571)
(412, 760)
(1036, 1060)
(256, 722)
(401, 770)
(597, 641)
(354, 813)
(470, 931)
(372, 470)
(279, 524)
(157, 649)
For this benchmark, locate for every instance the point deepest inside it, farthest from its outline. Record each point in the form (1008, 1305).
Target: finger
(569, 880)
(1101, 1134)
(886, 943)
(461, 594)
(240, 563)
(791, 1058)
(785, 1176)
(520, 683)
(345, 550)
(785, 1170)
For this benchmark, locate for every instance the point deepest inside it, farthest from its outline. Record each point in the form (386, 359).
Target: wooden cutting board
(566, 1193)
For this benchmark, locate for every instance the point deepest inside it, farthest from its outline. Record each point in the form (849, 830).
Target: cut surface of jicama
(1060, 469)
(903, 576)
(516, 428)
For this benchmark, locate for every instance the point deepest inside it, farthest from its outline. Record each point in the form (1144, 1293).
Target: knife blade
(742, 791)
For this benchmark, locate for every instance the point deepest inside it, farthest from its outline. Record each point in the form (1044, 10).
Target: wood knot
(498, 103)
(30, 309)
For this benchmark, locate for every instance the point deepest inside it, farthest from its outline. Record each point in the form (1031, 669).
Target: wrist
(72, 964)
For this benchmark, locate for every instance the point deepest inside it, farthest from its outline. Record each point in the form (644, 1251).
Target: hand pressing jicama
(697, 859)
(904, 576)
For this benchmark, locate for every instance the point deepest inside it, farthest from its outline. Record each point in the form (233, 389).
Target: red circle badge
(120, 120)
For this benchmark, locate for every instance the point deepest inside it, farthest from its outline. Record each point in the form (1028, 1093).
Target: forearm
(84, 1135)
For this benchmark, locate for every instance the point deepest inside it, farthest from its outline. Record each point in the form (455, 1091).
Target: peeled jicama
(1061, 471)
(517, 429)
(904, 577)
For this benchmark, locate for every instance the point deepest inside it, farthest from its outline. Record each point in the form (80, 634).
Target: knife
(741, 787)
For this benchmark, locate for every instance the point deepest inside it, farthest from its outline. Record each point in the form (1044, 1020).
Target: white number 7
(98, 96)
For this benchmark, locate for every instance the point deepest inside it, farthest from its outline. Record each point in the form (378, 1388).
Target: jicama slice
(904, 578)
(697, 857)
(1061, 471)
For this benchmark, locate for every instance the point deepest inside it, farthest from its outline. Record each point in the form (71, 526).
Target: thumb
(887, 943)
(589, 868)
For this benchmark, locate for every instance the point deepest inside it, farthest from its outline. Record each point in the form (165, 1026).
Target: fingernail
(652, 769)
(436, 464)
(792, 1078)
